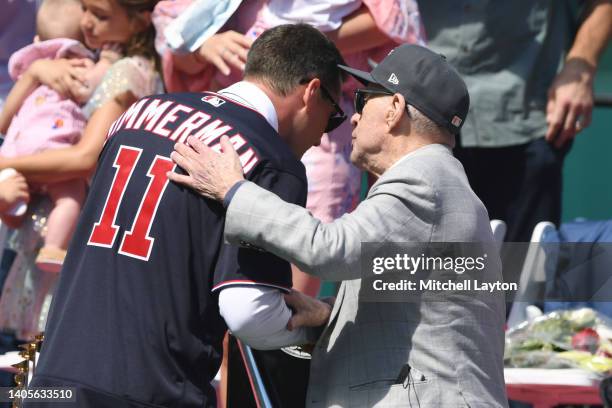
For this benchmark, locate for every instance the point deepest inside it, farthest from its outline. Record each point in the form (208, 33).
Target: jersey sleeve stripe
(238, 282)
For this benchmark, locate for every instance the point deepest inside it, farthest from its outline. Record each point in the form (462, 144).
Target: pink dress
(45, 119)
(333, 182)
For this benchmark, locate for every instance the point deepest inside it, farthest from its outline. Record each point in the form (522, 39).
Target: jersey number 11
(136, 242)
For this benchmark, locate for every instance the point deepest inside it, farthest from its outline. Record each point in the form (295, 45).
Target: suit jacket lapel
(334, 314)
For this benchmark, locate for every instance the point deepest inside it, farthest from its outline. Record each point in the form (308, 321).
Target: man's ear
(310, 96)
(395, 112)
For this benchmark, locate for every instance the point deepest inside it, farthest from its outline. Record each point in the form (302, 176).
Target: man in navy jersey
(148, 288)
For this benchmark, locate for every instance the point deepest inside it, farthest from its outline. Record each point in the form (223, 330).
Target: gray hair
(425, 126)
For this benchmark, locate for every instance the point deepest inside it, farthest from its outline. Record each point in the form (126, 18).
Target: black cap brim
(362, 76)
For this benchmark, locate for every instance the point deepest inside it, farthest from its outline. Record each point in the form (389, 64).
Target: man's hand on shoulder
(307, 311)
(211, 173)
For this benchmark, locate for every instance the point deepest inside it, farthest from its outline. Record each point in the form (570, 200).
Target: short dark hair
(284, 56)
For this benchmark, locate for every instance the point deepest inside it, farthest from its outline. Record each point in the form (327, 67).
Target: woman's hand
(65, 76)
(223, 50)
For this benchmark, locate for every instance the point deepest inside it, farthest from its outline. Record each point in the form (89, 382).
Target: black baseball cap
(427, 82)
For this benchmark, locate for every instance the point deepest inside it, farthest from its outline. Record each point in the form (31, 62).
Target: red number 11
(136, 242)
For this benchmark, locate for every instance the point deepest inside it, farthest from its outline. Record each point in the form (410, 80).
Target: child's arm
(78, 160)
(110, 54)
(20, 91)
(358, 32)
(13, 190)
(61, 75)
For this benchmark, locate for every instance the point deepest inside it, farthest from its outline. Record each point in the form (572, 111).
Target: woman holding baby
(59, 70)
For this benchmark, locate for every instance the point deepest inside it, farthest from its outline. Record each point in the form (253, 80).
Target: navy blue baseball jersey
(135, 316)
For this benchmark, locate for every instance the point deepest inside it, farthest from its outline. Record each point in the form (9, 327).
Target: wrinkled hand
(12, 190)
(225, 49)
(570, 102)
(307, 311)
(65, 76)
(210, 172)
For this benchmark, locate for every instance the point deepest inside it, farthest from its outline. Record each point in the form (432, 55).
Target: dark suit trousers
(520, 185)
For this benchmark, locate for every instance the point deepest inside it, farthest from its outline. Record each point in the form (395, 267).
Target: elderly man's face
(369, 130)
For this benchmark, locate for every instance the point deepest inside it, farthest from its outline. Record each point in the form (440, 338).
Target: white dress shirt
(258, 314)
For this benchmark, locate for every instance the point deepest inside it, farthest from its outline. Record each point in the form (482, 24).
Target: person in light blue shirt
(529, 67)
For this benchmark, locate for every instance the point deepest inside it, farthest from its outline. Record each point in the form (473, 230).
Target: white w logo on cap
(393, 79)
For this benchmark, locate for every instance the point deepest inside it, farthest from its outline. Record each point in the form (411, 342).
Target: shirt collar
(249, 94)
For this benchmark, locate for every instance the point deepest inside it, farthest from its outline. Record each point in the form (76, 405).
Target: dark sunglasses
(338, 116)
(361, 97)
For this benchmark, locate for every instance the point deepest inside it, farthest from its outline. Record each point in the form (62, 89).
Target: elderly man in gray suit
(376, 353)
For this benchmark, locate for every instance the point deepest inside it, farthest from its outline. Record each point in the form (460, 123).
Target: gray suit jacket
(454, 348)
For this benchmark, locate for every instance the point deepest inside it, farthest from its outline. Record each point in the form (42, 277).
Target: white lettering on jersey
(170, 117)
(154, 115)
(151, 114)
(213, 131)
(185, 129)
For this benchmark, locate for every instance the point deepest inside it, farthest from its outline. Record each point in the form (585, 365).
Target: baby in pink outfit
(46, 120)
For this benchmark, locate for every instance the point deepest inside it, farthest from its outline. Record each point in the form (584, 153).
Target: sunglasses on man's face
(337, 117)
(361, 97)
